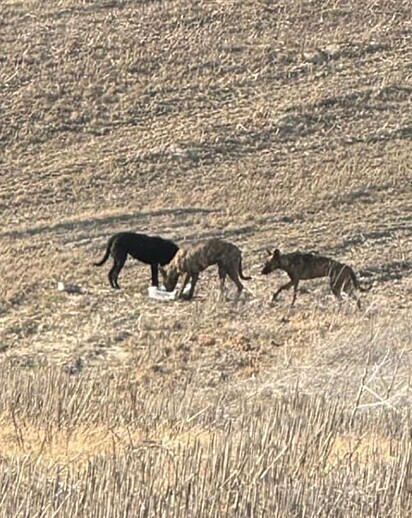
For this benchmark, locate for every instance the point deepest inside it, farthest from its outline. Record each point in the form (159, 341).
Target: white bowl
(161, 293)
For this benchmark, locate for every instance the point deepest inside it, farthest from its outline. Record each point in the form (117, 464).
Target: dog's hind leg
(235, 278)
(119, 260)
(350, 289)
(338, 286)
(155, 274)
(338, 295)
(336, 290)
(222, 277)
(112, 279)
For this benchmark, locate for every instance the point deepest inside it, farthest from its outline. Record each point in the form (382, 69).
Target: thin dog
(301, 266)
(195, 258)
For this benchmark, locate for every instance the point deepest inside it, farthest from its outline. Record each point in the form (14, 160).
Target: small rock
(68, 288)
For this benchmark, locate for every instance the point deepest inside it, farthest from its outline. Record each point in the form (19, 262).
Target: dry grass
(95, 445)
(270, 123)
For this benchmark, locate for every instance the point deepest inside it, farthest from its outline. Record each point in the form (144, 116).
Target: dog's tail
(243, 277)
(106, 255)
(357, 284)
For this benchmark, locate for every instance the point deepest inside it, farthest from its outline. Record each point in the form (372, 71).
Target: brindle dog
(195, 258)
(151, 250)
(302, 266)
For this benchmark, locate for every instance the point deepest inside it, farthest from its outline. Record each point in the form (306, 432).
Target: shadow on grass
(388, 271)
(91, 223)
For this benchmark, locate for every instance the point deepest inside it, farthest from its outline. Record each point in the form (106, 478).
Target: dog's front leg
(295, 291)
(184, 284)
(193, 280)
(284, 287)
(155, 274)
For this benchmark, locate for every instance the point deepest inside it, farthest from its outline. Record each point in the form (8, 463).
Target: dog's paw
(184, 297)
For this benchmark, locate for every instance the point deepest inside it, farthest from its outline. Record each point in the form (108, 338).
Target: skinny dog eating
(195, 258)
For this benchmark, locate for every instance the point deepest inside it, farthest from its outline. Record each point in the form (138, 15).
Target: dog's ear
(269, 251)
(276, 253)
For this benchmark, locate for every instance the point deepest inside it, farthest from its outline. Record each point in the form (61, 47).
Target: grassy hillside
(269, 123)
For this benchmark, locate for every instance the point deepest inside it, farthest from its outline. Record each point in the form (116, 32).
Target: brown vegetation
(272, 124)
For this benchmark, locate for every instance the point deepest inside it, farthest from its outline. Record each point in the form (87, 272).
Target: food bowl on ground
(160, 293)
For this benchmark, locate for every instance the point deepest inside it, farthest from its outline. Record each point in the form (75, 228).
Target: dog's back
(151, 250)
(144, 248)
(148, 249)
(199, 256)
(307, 265)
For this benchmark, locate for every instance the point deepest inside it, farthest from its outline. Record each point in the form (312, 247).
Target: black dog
(147, 249)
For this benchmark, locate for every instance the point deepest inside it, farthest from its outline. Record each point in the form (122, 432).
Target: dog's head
(272, 262)
(170, 276)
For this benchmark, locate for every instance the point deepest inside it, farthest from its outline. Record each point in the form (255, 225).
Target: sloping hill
(270, 123)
